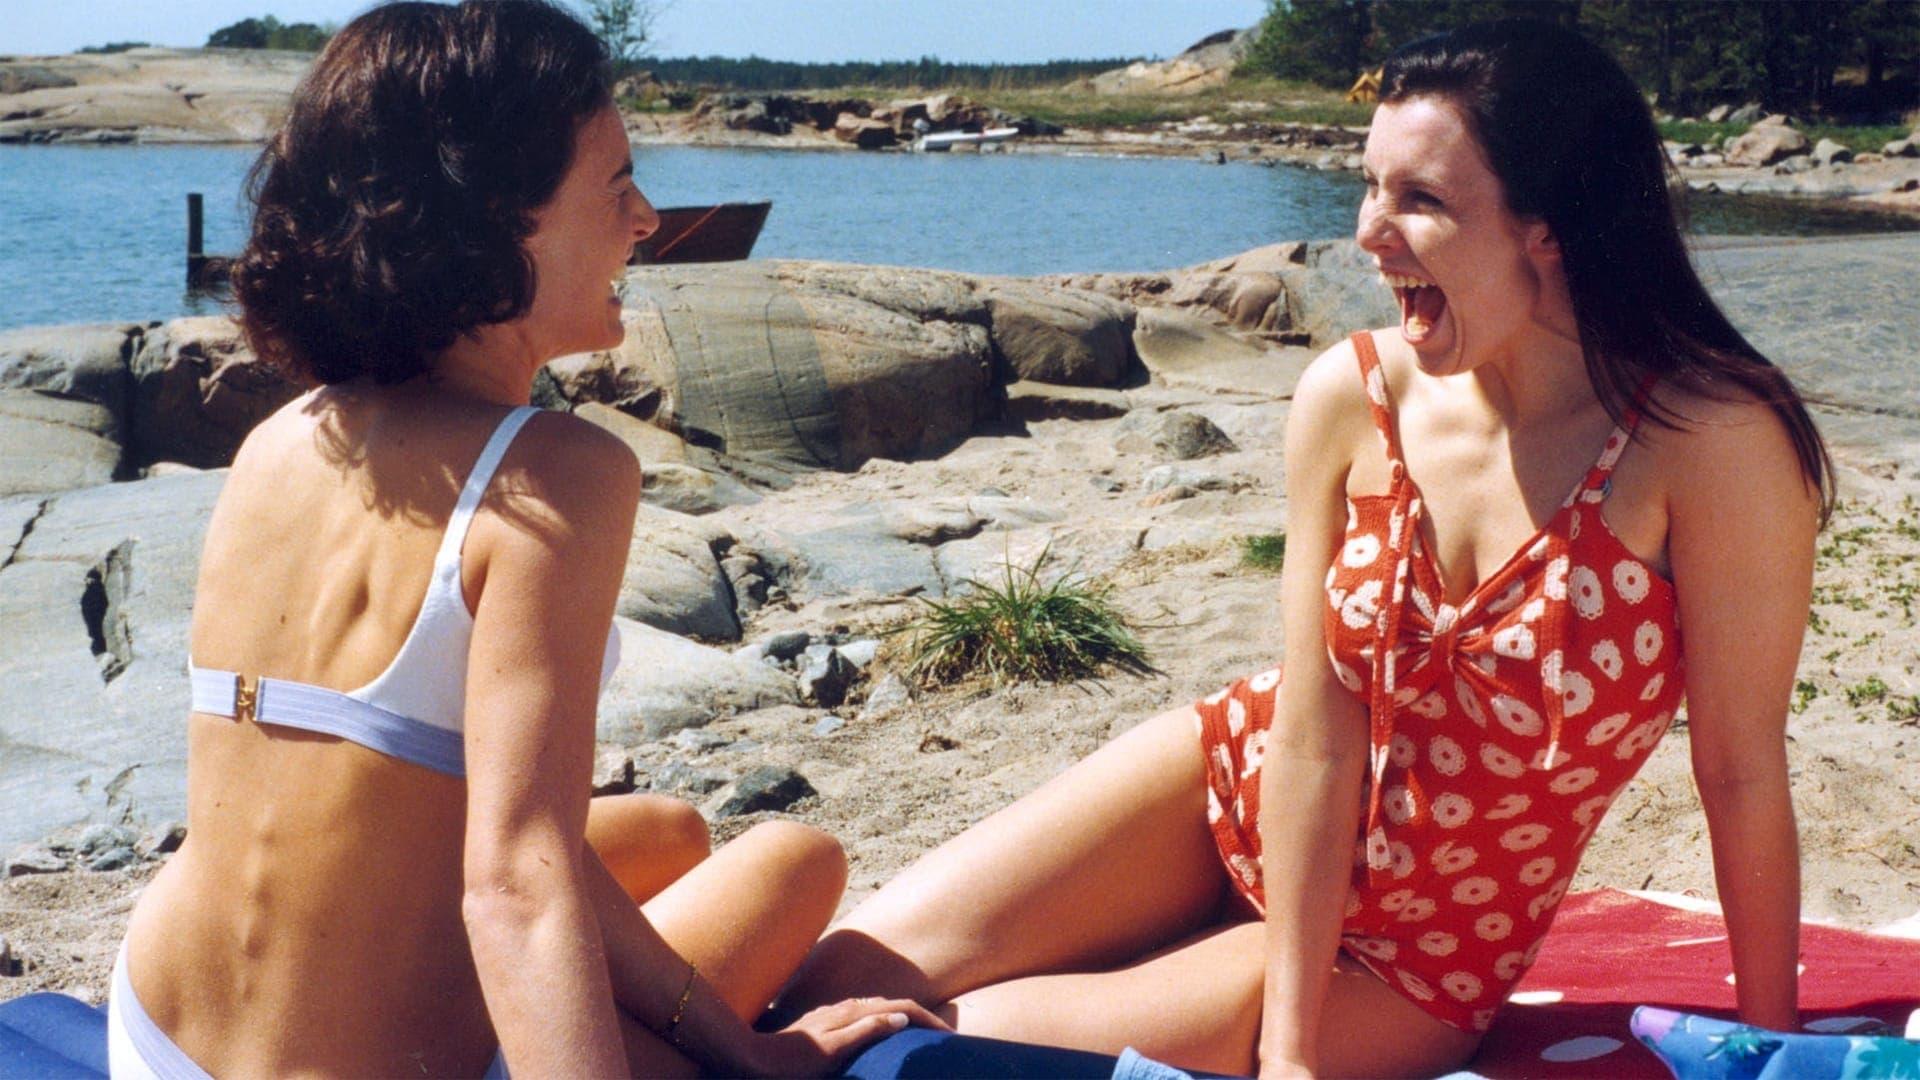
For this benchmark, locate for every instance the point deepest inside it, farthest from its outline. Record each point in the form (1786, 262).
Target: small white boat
(942, 141)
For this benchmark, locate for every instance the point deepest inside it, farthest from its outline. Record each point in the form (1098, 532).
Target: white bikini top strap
(477, 481)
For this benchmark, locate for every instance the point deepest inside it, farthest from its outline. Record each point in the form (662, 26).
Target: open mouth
(1421, 305)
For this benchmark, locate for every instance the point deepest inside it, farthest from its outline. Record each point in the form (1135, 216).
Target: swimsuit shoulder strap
(1599, 477)
(477, 481)
(1374, 377)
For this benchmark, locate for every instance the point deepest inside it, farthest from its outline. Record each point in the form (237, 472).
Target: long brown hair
(1574, 144)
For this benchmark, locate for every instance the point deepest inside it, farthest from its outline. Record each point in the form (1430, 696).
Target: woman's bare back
(321, 880)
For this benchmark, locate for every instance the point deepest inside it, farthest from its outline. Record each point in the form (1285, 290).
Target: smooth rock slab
(666, 682)
(54, 443)
(674, 581)
(95, 609)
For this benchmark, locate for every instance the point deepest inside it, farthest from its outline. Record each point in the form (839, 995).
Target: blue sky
(1008, 31)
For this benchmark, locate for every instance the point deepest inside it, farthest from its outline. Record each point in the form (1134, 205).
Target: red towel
(1609, 952)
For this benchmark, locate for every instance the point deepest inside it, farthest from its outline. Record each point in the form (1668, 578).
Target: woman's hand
(820, 1041)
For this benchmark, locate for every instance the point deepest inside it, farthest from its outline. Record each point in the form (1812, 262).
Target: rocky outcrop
(197, 391)
(88, 404)
(1053, 334)
(147, 95)
(1204, 65)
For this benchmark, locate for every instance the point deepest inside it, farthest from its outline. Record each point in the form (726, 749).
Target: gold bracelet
(672, 1031)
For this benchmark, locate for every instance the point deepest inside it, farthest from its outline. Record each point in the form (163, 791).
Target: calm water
(91, 234)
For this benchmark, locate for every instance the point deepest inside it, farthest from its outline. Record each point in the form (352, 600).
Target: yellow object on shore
(1366, 88)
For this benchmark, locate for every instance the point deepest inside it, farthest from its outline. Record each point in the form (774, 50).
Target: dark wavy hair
(390, 209)
(1574, 145)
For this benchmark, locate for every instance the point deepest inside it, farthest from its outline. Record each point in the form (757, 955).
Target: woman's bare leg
(1197, 1005)
(745, 916)
(1102, 865)
(646, 841)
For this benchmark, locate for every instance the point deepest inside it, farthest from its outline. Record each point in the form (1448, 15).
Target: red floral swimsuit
(1501, 729)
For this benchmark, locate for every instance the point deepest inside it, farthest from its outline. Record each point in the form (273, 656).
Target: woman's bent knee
(810, 854)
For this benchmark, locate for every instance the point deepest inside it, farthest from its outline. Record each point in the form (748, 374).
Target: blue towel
(926, 1054)
(52, 1036)
(1705, 1048)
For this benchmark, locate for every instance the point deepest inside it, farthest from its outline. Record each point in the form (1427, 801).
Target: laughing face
(582, 239)
(1476, 283)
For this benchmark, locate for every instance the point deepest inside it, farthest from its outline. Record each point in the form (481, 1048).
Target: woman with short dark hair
(1563, 493)
(404, 617)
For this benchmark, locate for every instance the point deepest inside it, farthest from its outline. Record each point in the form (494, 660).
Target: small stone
(992, 493)
(825, 675)
(6, 957)
(98, 838)
(749, 584)
(1166, 476)
(612, 771)
(167, 837)
(888, 696)
(1169, 495)
(1187, 435)
(768, 787)
(698, 740)
(786, 644)
(1907, 147)
(118, 858)
(1827, 152)
(35, 860)
(678, 777)
(828, 725)
(754, 650)
(862, 652)
(1105, 483)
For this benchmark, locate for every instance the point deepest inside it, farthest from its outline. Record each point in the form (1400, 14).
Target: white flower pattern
(1500, 842)
(1606, 657)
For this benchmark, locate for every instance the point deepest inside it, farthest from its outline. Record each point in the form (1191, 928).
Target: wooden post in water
(196, 259)
(204, 271)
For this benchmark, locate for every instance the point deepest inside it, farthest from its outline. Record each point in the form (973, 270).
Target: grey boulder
(665, 683)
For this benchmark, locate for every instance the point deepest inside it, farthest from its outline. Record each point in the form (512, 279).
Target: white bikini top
(414, 710)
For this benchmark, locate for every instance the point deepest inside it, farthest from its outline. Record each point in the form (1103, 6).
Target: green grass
(1267, 552)
(1025, 628)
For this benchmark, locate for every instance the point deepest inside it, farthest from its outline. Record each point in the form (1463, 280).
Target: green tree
(268, 32)
(245, 34)
(1321, 41)
(625, 27)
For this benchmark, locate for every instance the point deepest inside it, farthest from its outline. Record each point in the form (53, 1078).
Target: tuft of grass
(1266, 552)
(1023, 629)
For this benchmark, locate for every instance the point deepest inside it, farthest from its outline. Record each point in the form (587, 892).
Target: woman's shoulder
(571, 462)
(1331, 386)
(1713, 451)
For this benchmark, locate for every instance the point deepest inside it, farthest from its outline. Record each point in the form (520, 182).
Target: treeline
(1690, 54)
(268, 32)
(756, 73)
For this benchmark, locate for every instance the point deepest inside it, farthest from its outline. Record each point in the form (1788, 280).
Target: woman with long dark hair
(1561, 496)
(403, 622)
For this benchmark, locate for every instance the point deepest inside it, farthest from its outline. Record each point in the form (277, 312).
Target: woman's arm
(556, 939)
(1741, 528)
(1317, 748)
(649, 979)
(553, 551)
